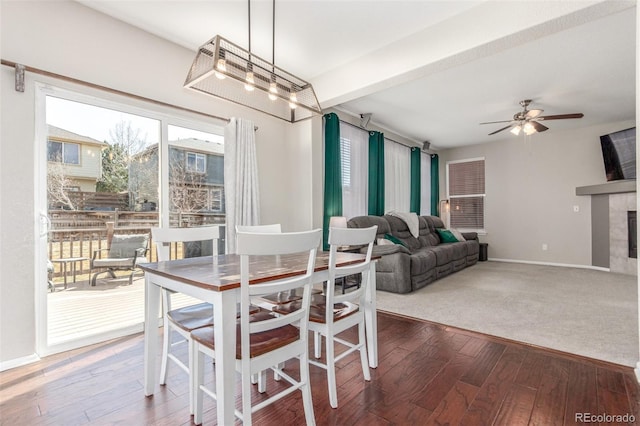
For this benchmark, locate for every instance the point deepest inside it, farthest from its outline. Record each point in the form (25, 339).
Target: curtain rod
(110, 90)
(362, 128)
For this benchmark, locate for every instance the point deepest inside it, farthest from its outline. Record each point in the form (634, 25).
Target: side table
(484, 252)
(65, 261)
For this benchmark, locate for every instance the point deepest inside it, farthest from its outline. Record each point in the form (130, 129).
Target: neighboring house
(80, 156)
(196, 177)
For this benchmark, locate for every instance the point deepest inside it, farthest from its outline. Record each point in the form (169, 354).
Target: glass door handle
(45, 224)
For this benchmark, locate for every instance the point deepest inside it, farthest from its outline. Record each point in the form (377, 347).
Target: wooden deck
(82, 310)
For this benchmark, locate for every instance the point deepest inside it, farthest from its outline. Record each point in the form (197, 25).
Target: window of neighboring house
(216, 199)
(196, 162)
(466, 193)
(64, 152)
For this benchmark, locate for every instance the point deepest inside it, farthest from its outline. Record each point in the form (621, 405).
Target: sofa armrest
(470, 235)
(387, 249)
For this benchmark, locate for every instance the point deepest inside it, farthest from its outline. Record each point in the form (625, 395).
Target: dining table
(216, 280)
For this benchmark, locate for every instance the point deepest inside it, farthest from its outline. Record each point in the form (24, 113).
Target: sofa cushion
(422, 261)
(400, 230)
(430, 237)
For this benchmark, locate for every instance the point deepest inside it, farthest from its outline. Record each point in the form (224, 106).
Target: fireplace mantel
(614, 187)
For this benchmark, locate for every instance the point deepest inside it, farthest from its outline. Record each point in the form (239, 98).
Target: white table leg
(151, 304)
(371, 321)
(224, 320)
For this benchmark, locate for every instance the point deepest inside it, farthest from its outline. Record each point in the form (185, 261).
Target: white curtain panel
(355, 165)
(425, 184)
(397, 177)
(240, 178)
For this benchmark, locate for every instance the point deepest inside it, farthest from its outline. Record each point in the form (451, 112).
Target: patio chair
(125, 252)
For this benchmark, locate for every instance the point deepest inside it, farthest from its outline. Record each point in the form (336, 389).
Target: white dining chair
(265, 340)
(186, 319)
(331, 314)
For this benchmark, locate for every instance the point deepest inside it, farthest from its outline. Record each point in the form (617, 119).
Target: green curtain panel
(435, 185)
(332, 174)
(376, 174)
(414, 203)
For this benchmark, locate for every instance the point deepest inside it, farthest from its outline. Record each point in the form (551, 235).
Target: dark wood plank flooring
(429, 374)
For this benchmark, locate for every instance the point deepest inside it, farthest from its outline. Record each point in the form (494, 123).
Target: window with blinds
(466, 193)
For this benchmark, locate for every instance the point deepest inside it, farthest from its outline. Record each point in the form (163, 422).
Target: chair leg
(363, 352)
(198, 378)
(307, 402)
(246, 396)
(262, 381)
(94, 277)
(166, 344)
(331, 371)
(112, 273)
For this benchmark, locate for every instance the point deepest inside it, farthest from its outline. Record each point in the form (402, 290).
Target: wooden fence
(81, 233)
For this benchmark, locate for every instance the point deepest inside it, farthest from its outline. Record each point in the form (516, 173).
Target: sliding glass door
(112, 172)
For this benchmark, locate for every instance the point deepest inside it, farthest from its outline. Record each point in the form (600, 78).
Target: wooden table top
(222, 272)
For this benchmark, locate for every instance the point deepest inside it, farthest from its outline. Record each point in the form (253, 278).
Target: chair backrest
(349, 237)
(163, 237)
(262, 229)
(128, 246)
(305, 244)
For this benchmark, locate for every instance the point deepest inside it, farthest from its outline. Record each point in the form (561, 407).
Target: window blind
(466, 188)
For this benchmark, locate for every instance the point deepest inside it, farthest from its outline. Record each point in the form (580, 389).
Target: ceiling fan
(528, 120)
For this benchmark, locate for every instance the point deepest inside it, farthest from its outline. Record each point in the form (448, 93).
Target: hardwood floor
(428, 374)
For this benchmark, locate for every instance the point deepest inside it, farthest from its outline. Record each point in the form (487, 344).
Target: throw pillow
(384, 242)
(446, 236)
(393, 239)
(457, 234)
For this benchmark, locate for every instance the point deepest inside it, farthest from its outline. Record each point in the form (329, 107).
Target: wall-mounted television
(619, 154)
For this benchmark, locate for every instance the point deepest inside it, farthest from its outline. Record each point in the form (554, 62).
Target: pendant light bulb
(249, 85)
(273, 91)
(293, 100)
(516, 130)
(221, 67)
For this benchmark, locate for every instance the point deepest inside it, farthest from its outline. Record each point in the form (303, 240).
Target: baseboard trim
(564, 265)
(18, 362)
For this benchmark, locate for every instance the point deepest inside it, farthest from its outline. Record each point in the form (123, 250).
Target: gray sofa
(416, 262)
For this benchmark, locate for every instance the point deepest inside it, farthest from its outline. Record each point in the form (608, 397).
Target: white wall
(69, 39)
(530, 192)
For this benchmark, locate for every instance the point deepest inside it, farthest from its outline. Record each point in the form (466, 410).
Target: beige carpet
(580, 311)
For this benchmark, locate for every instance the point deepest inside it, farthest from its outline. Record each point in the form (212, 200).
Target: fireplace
(633, 234)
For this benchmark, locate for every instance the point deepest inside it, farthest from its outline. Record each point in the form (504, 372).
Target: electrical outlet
(576, 209)
(545, 247)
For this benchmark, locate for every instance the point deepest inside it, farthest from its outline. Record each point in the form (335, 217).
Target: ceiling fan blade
(499, 130)
(538, 126)
(533, 113)
(494, 122)
(561, 116)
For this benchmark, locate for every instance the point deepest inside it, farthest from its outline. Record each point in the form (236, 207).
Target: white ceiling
(580, 60)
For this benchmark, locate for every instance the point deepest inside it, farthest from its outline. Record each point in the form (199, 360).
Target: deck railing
(79, 234)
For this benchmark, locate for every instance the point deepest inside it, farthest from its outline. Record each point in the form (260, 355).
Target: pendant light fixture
(225, 70)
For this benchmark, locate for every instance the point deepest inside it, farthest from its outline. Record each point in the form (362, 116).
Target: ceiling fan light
(516, 130)
(528, 129)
